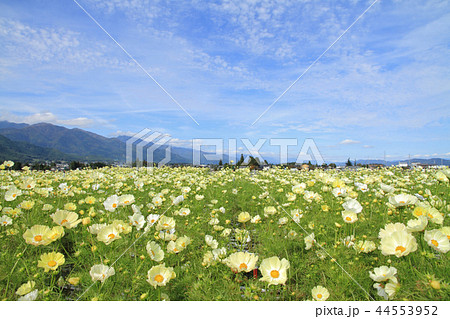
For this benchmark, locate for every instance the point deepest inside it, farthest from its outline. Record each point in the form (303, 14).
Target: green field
(339, 257)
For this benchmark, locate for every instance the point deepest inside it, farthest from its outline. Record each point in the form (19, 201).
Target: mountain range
(44, 141)
(47, 142)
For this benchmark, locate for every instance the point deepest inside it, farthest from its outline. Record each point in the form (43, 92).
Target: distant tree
(241, 160)
(332, 165)
(40, 166)
(349, 163)
(75, 165)
(265, 162)
(220, 163)
(17, 166)
(95, 165)
(253, 161)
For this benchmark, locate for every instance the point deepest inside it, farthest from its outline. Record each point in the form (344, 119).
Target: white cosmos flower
(417, 225)
(402, 200)
(5, 220)
(339, 192)
(125, 200)
(101, 272)
(137, 220)
(178, 200)
(389, 229)
(184, 211)
(352, 205)
(437, 240)
(309, 241)
(383, 273)
(211, 242)
(111, 203)
(154, 251)
(387, 188)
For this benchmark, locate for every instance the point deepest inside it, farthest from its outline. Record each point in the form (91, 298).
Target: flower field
(195, 234)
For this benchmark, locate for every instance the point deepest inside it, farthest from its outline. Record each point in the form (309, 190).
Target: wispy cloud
(349, 142)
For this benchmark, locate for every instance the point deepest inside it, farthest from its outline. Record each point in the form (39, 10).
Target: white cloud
(122, 133)
(349, 141)
(25, 44)
(48, 117)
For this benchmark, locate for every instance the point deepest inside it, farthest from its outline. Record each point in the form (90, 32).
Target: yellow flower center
(5, 222)
(243, 266)
(159, 278)
(51, 263)
(14, 195)
(114, 205)
(37, 238)
(319, 296)
(136, 222)
(28, 186)
(166, 225)
(152, 221)
(274, 274)
(401, 202)
(111, 236)
(348, 218)
(434, 242)
(400, 248)
(64, 221)
(126, 202)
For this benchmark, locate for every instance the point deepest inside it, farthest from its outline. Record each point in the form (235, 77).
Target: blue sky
(383, 87)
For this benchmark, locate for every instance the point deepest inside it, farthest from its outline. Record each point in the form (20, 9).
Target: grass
(194, 281)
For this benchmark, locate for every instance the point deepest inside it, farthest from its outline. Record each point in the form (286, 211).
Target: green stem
(12, 270)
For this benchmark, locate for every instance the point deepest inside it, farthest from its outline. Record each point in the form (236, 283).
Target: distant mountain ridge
(26, 152)
(79, 144)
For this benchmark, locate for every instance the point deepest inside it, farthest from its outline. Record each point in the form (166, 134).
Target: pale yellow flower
(108, 234)
(36, 235)
(160, 275)
(399, 243)
(274, 271)
(51, 261)
(320, 293)
(101, 272)
(437, 240)
(244, 217)
(154, 251)
(66, 218)
(26, 288)
(241, 261)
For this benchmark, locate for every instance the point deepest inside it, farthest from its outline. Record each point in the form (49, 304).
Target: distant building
(421, 165)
